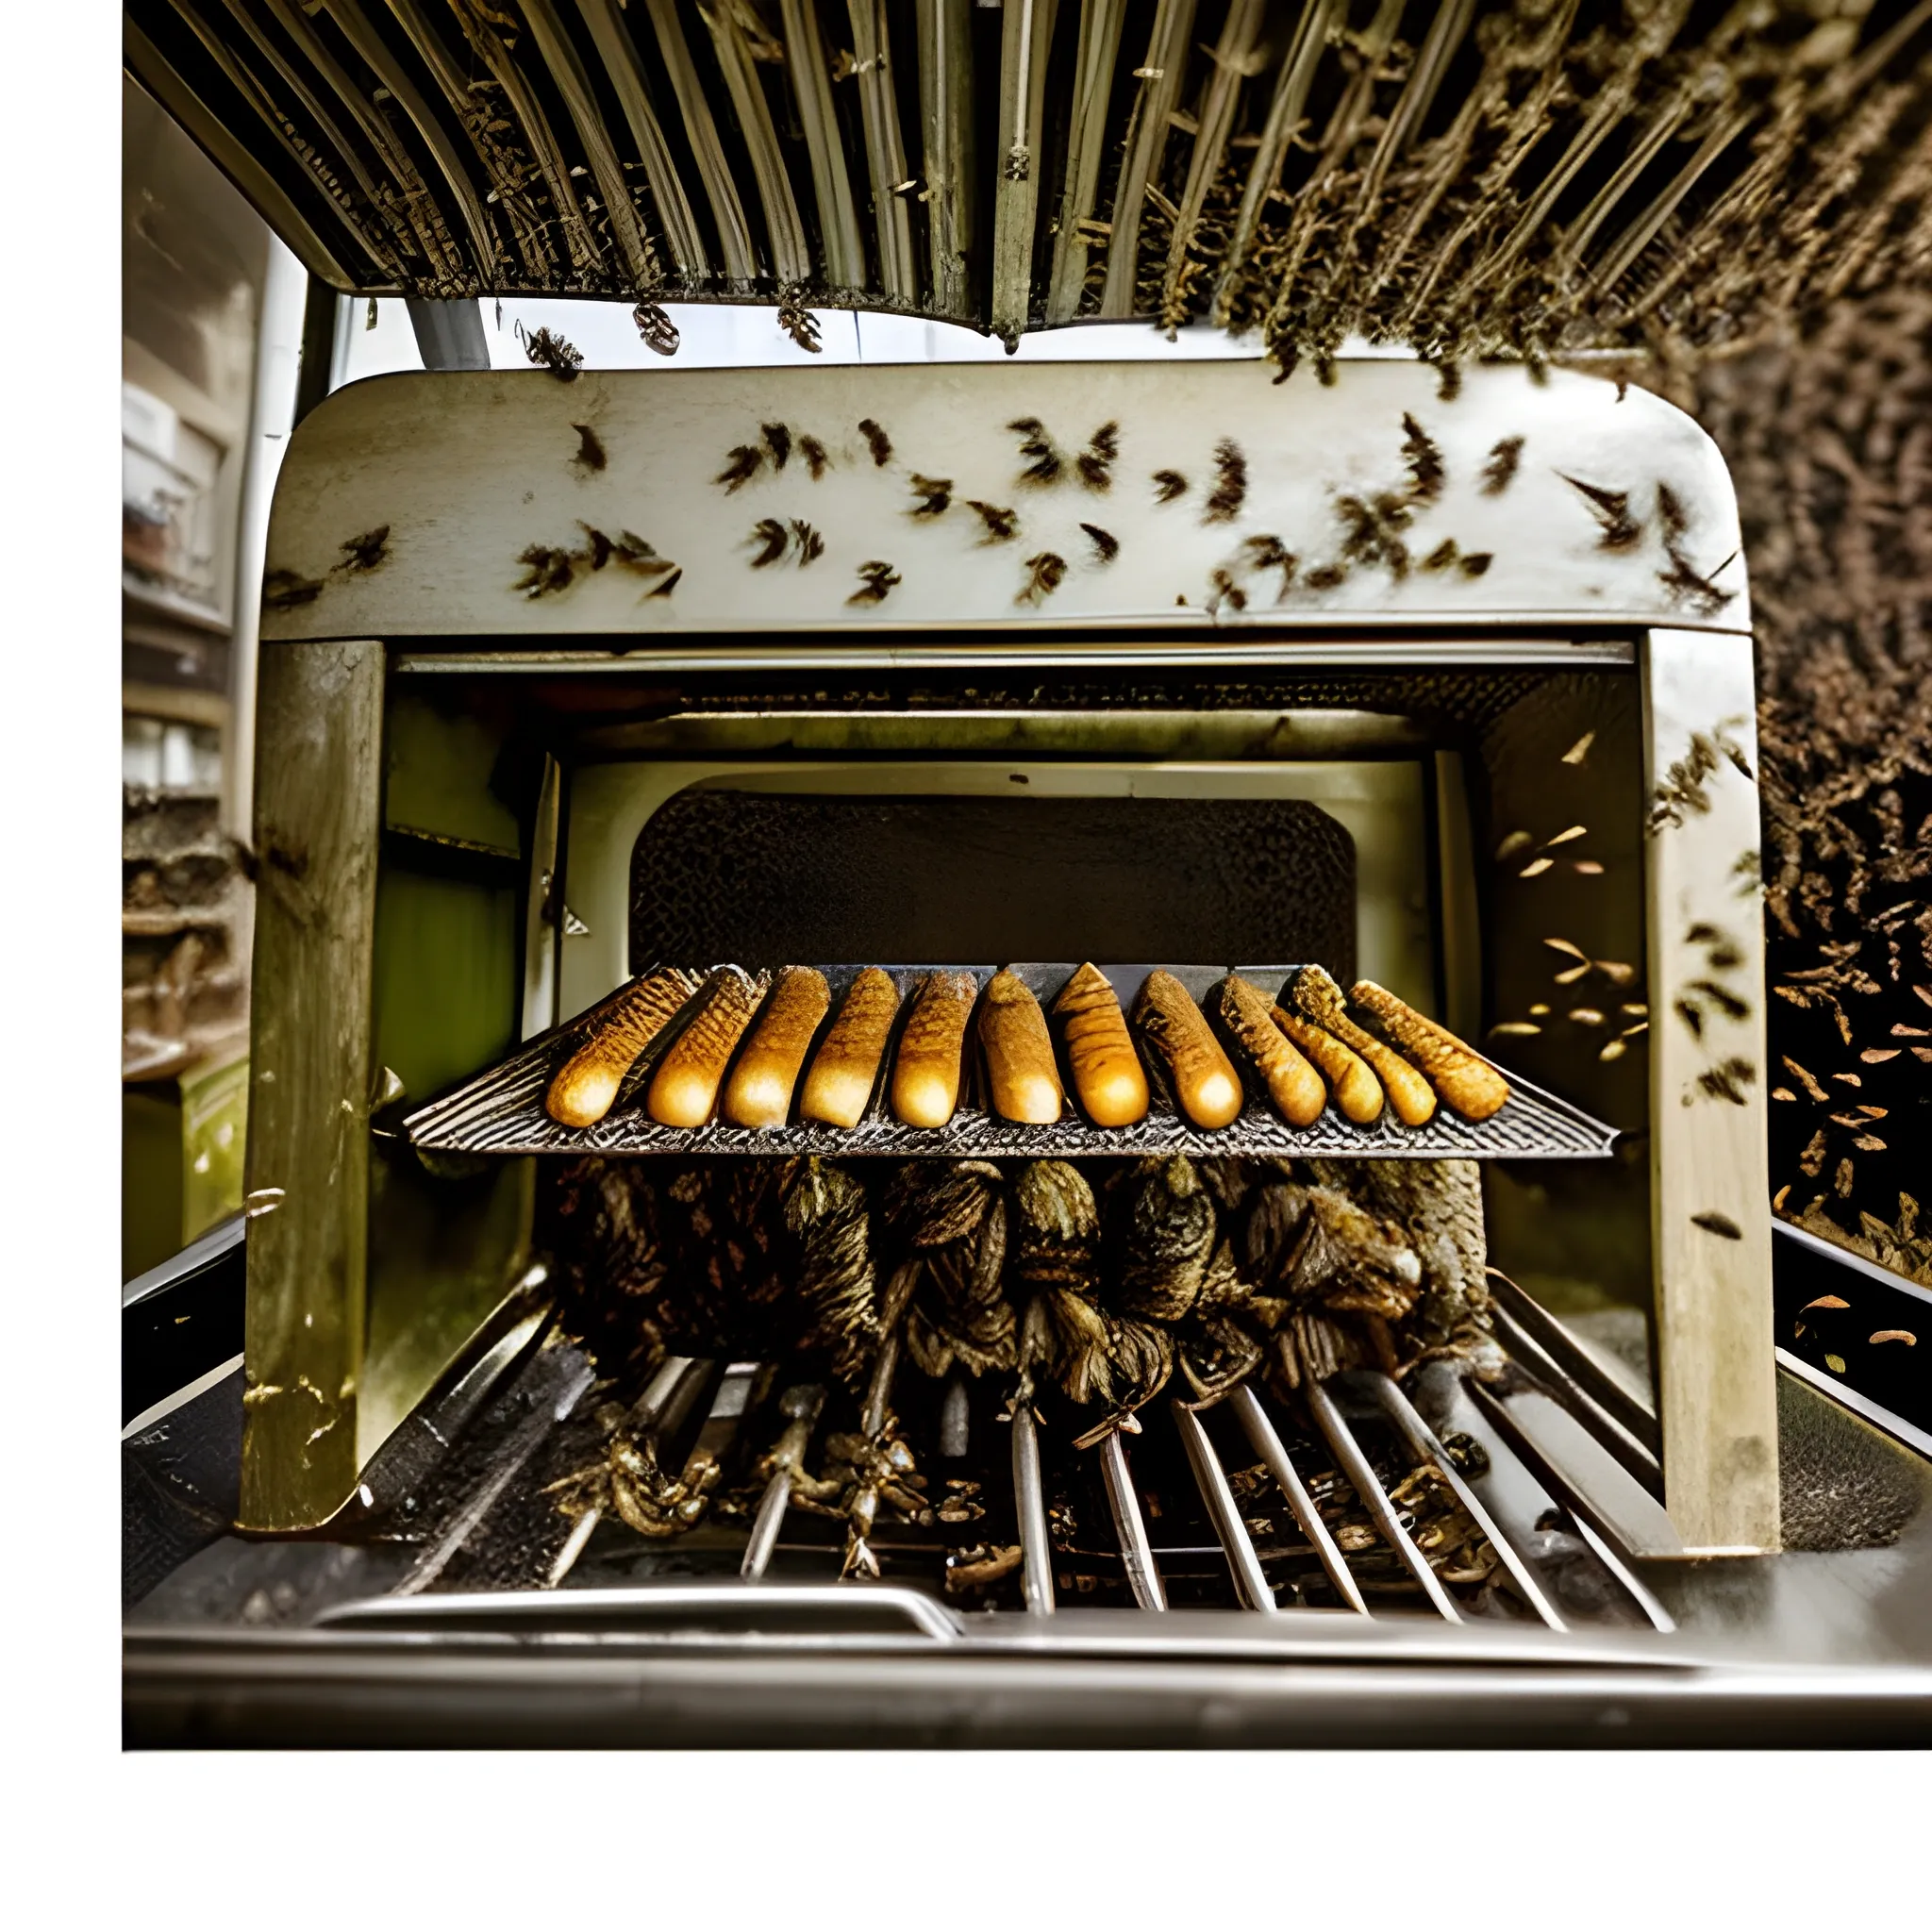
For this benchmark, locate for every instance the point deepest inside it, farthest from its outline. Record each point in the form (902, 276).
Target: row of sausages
(747, 1041)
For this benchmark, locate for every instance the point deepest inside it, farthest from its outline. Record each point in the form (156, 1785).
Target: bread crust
(1206, 1086)
(684, 1082)
(840, 1083)
(586, 1084)
(1293, 1084)
(758, 1093)
(1315, 994)
(1109, 1079)
(932, 1046)
(1351, 1080)
(1025, 1082)
(1467, 1082)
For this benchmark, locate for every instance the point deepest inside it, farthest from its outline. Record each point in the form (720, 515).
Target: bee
(1500, 471)
(935, 494)
(1271, 553)
(1728, 1081)
(1095, 462)
(552, 352)
(878, 442)
(1225, 592)
(1476, 563)
(366, 551)
(656, 328)
(1448, 382)
(779, 440)
(1107, 546)
(1682, 581)
(1714, 1222)
(667, 586)
(740, 466)
(1422, 455)
(1168, 484)
(1671, 515)
(1373, 531)
(1327, 577)
(1045, 574)
(811, 546)
(1232, 483)
(813, 451)
(1442, 556)
(1618, 529)
(1002, 525)
(878, 581)
(590, 454)
(772, 536)
(288, 589)
(601, 545)
(1045, 461)
(799, 322)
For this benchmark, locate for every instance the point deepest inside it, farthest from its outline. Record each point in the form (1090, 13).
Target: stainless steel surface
(1251, 1585)
(1267, 1445)
(1029, 1507)
(1527, 1316)
(501, 1110)
(1137, 1554)
(1424, 1444)
(1879, 1417)
(1362, 1479)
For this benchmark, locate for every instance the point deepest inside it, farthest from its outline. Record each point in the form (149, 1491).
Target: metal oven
(567, 681)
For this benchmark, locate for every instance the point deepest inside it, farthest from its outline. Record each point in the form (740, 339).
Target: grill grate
(501, 1112)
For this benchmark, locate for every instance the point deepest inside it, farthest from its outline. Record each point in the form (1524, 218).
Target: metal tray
(501, 1112)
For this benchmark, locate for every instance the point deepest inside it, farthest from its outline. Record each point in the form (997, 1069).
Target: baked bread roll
(926, 1070)
(587, 1083)
(1205, 1083)
(758, 1093)
(1350, 1078)
(684, 1085)
(1109, 1079)
(1466, 1081)
(1293, 1085)
(1318, 998)
(1019, 1053)
(847, 1062)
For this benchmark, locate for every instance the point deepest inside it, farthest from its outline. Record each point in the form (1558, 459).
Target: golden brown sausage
(1318, 998)
(684, 1086)
(847, 1062)
(1205, 1082)
(587, 1083)
(1108, 1075)
(1293, 1085)
(759, 1092)
(926, 1070)
(1350, 1078)
(1019, 1053)
(1466, 1081)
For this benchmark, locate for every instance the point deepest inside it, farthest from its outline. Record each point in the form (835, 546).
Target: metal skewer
(1137, 1554)
(1268, 1446)
(657, 1412)
(801, 1406)
(1251, 1585)
(1362, 1479)
(1029, 1506)
(1423, 1442)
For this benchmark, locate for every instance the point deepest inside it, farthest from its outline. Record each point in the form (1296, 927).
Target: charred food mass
(1230, 484)
(827, 1216)
(1162, 1238)
(951, 1216)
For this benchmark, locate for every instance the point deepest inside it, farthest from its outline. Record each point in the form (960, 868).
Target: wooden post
(1710, 1210)
(318, 821)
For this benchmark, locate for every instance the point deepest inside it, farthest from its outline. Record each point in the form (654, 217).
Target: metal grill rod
(1590, 1527)
(1423, 1442)
(1137, 1554)
(1555, 1342)
(1268, 1445)
(1029, 1507)
(1354, 1466)
(1251, 1585)
(800, 1405)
